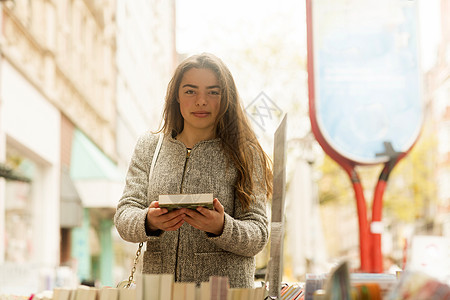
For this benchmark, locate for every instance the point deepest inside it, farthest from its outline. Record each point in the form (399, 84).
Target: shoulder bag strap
(155, 155)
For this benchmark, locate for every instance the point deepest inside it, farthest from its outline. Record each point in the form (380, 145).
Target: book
(127, 294)
(140, 288)
(152, 284)
(191, 201)
(205, 290)
(179, 290)
(165, 287)
(184, 291)
(86, 293)
(419, 285)
(246, 293)
(313, 282)
(191, 291)
(385, 282)
(44, 295)
(73, 295)
(219, 287)
(259, 293)
(108, 293)
(338, 282)
(61, 294)
(292, 292)
(235, 293)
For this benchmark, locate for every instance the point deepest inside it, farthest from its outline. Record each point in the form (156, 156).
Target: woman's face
(199, 97)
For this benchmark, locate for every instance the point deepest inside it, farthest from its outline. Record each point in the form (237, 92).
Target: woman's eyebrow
(190, 85)
(196, 87)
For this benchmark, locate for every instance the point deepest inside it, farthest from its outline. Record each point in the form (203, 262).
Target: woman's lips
(201, 114)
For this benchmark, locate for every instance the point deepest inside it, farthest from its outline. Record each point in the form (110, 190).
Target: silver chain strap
(127, 284)
(133, 270)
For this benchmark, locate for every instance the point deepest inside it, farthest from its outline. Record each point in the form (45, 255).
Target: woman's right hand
(162, 219)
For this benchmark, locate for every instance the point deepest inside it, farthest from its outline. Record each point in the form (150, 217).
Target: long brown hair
(232, 127)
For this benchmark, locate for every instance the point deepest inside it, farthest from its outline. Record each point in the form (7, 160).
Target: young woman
(208, 147)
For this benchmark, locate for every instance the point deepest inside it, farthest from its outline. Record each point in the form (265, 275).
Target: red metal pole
(364, 239)
(376, 226)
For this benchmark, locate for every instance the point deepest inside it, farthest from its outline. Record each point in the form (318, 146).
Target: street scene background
(80, 80)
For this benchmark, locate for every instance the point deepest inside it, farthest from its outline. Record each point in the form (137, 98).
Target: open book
(191, 201)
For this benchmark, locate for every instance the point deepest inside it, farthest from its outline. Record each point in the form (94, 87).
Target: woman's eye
(189, 92)
(215, 93)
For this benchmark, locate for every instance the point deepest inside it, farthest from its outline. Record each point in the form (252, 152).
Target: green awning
(71, 207)
(89, 162)
(97, 179)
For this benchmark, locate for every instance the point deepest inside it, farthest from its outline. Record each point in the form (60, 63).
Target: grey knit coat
(188, 253)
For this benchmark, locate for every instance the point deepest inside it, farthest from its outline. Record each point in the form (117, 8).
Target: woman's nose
(201, 99)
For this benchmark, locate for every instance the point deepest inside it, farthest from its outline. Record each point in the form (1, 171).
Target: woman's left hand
(209, 220)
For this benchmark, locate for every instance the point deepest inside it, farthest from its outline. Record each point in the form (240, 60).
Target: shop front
(29, 191)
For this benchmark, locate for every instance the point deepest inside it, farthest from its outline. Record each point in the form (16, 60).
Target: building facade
(438, 101)
(71, 106)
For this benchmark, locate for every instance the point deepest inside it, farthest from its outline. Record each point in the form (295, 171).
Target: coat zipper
(188, 154)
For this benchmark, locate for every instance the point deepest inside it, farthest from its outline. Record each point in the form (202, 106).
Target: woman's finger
(218, 206)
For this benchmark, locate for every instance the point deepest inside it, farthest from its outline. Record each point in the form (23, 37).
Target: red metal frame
(370, 242)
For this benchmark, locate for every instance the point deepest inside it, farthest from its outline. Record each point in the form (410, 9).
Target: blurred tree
(410, 198)
(334, 185)
(411, 190)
